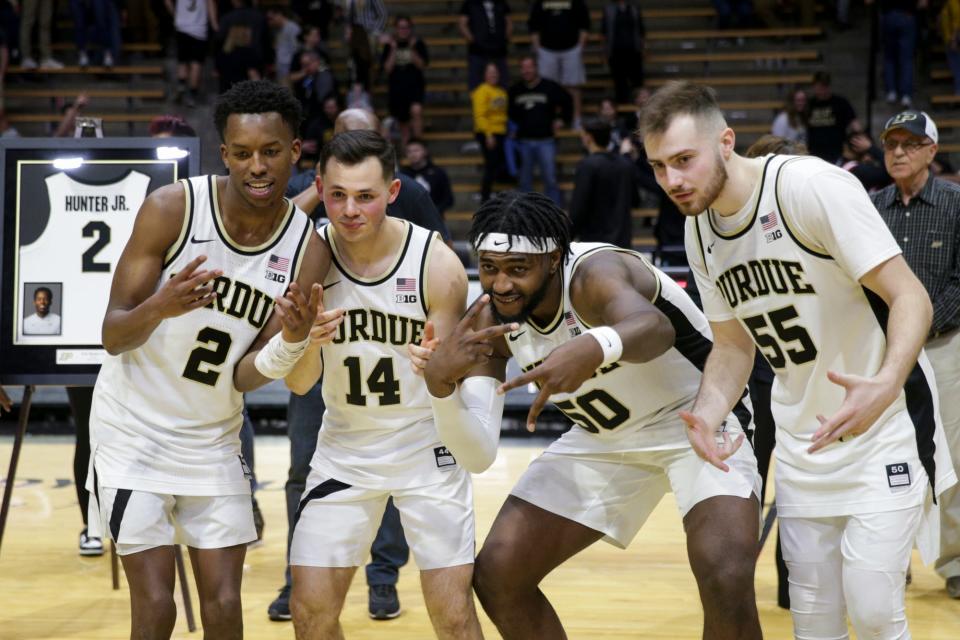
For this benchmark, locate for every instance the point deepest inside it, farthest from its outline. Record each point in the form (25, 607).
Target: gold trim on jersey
(331, 237)
(425, 271)
(222, 229)
(803, 243)
(178, 244)
(557, 319)
(302, 249)
(748, 223)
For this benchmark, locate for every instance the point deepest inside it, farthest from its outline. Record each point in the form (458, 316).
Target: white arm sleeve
(468, 421)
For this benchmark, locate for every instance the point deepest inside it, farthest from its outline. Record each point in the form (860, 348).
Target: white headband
(503, 243)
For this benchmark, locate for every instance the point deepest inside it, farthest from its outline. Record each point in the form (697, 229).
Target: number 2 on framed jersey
(382, 381)
(101, 230)
(796, 340)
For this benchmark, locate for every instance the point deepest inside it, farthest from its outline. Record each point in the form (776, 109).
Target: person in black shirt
(604, 190)
(434, 179)
(558, 29)
(623, 33)
(538, 106)
(830, 119)
(404, 59)
(487, 28)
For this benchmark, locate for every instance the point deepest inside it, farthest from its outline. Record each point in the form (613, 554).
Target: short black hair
(173, 125)
(257, 96)
(353, 147)
(39, 289)
(515, 213)
(598, 130)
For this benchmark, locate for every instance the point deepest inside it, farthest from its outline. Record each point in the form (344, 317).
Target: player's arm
(463, 372)
(908, 325)
(284, 338)
(136, 305)
(612, 293)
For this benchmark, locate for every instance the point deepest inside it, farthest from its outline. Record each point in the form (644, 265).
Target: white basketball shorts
(336, 522)
(139, 520)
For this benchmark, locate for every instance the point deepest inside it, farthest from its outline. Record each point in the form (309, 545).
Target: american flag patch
(277, 263)
(406, 284)
(570, 320)
(769, 221)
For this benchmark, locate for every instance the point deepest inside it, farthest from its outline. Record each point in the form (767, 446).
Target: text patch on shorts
(898, 476)
(444, 457)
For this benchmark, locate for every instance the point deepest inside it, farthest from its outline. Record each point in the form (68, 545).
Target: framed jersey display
(69, 207)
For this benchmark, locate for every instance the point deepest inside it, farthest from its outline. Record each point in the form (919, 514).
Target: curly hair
(515, 213)
(258, 96)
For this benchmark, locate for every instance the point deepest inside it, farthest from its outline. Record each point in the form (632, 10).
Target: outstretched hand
(703, 439)
(563, 371)
(420, 353)
(326, 323)
(189, 289)
(296, 312)
(465, 348)
(866, 399)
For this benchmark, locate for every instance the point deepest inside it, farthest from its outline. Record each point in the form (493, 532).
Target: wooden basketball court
(647, 591)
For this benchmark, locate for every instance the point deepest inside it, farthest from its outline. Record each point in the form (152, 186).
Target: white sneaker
(50, 63)
(905, 101)
(891, 97)
(89, 545)
(107, 59)
(83, 60)
(28, 63)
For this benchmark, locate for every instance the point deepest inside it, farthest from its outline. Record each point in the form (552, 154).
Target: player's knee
(317, 610)
(726, 579)
(222, 609)
(156, 606)
(880, 617)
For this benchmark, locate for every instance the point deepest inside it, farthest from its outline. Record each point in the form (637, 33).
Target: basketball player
(391, 283)
(207, 302)
(790, 255)
(618, 347)
(42, 321)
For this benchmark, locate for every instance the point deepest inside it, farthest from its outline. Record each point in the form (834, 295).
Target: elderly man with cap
(923, 212)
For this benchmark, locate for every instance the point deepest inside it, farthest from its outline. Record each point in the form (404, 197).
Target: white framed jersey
(378, 430)
(85, 233)
(787, 267)
(623, 405)
(166, 415)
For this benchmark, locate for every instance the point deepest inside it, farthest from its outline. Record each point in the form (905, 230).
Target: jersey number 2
(99, 229)
(381, 380)
(203, 360)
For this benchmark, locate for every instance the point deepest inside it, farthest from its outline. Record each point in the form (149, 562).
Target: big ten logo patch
(404, 289)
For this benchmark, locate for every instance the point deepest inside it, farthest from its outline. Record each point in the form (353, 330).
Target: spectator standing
(923, 212)
(107, 21)
(316, 86)
(366, 20)
(244, 46)
(538, 106)
(950, 31)
(487, 28)
(830, 118)
(192, 19)
(434, 179)
(311, 40)
(559, 31)
(791, 123)
(286, 41)
(624, 35)
(490, 126)
(604, 190)
(404, 59)
(39, 13)
(898, 26)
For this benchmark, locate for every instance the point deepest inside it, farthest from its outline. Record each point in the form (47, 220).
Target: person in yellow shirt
(490, 125)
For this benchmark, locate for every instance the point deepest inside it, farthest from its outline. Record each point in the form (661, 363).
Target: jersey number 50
(595, 410)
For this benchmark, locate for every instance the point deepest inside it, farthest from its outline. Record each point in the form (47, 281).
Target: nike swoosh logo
(195, 241)
(327, 286)
(500, 244)
(514, 338)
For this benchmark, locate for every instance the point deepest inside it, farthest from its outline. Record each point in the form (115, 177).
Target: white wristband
(278, 357)
(609, 341)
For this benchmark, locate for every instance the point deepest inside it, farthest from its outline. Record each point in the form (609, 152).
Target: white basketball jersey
(787, 266)
(166, 415)
(378, 429)
(85, 234)
(624, 403)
